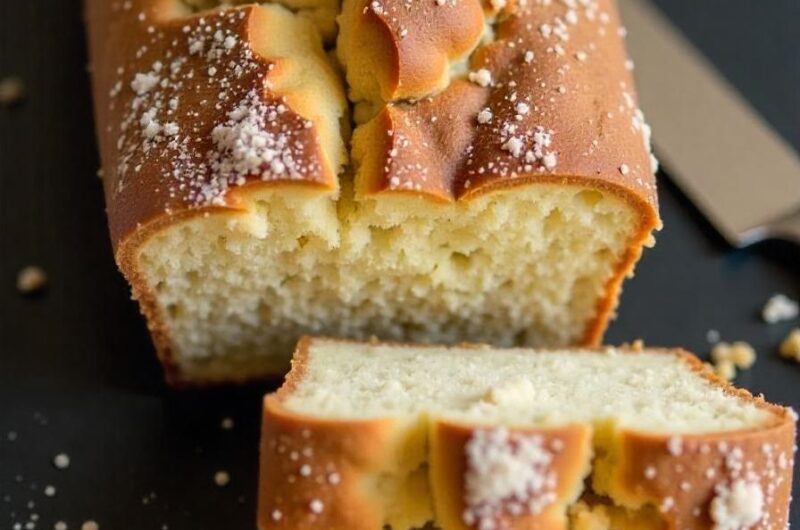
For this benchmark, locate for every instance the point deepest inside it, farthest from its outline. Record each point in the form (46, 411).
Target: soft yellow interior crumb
(523, 266)
(647, 391)
(594, 514)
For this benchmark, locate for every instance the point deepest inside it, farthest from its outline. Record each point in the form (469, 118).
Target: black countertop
(77, 370)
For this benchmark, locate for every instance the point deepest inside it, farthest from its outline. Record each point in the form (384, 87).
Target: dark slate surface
(77, 371)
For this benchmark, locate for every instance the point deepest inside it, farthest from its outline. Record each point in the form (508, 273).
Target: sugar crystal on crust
(507, 473)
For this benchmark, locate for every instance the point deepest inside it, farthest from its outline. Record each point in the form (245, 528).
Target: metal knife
(735, 168)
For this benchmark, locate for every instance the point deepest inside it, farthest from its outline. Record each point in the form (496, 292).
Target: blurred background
(77, 371)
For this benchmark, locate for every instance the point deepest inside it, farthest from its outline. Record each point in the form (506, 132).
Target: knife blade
(733, 166)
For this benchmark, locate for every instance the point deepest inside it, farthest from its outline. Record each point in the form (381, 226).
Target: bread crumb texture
(31, 279)
(489, 439)
(780, 308)
(790, 347)
(61, 461)
(222, 478)
(12, 91)
(497, 187)
(727, 358)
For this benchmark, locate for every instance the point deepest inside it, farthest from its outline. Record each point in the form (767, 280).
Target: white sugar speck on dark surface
(61, 461)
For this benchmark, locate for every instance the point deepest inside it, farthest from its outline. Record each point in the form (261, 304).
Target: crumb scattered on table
(31, 279)
(90, 525)
(790, 347)
(727, 358)
(150, 497)
(636, 345)
(712, 336)
(780, 308)
(221, 478)
(226, 424)
(725, 369)
(12, 91)
(61, 461)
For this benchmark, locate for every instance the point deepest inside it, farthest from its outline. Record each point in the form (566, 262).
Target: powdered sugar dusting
(746, 481)
(295, 453)
(639, 125)
(533, 89)
(202, 158)
(251, 143)
(189, 121)
(532, 145)
(737, 506)
(740, 500)
(507, 474)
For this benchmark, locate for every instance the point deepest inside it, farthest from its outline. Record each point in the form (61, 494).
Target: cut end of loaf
(486, 439)
(536, 265)
(653, 391)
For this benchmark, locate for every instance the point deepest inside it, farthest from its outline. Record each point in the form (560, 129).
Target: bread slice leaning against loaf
(498, 187)
(368, 435)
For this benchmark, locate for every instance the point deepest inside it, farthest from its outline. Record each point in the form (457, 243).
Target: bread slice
(364, 435)
(505, 204)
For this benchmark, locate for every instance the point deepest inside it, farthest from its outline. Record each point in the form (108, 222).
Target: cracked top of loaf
(198, 102)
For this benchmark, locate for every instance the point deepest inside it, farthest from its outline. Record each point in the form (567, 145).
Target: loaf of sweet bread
(498, 186)
(364, 436)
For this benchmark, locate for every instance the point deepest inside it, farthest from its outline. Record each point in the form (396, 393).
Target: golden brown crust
(201, 68)
(674, 478)
(687, 470)
(409, 44)
(413, 154)
(576, 88)
(328, 493)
